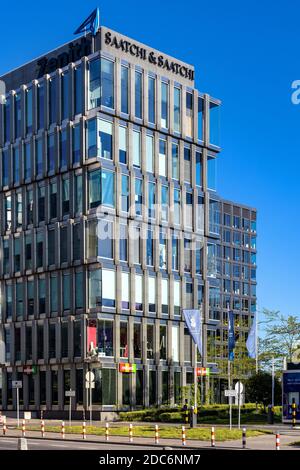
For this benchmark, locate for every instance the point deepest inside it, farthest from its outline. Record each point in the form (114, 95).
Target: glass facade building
(112, 225)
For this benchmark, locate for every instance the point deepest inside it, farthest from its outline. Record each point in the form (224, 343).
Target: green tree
(259, 389)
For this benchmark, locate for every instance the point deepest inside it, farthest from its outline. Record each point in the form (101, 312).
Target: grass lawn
(171, 432)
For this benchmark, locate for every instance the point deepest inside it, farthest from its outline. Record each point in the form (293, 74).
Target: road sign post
(70, 393)
(17, 384)
(90, 384)
(239, 387)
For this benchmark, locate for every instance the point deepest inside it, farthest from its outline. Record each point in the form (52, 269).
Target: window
(63, 148)
(91, 139)
(16, 164)
(19, 300)
(162, 157)
(27, 160)
(78, 289)
(138, 292)
(187, 165)
(42, 295)
(105, 234)
(63, 244)
(94, 288)
(149, 153)
(6, 257)
(175, 252)
(105, 133)
(8, 300)
(94, 188)
(105, 338)
(188, 219)
(28, 105)
(151, 294)
(40, 106)
(17, 254)
(41, 203)
(65, 197)
(94, 84)
(151, 200)
(138, 95)
(77, 241)
(165, 296)
(189, 295)
(211, 260)
(214, 123)
(53, 294)
(39, 249)
(51, 247)
(200, 118)
(51, 152)
(177, 203)
(151, 100)
(163, 342)
(52, 100)
(189, 115)
(125, 193)
(149, 248)
(124, 90)
(5, 167)
(162, 250)
(19, 210)
(6, 119)
(138, 196)
(123, 339)
(198, 169)
(39, 157)
(123, 247)
(78, 90)
(175, 162)
(40, 341)
(7, 209)
(107, 188)
(214, 217)
(150, 341)
(78, 194)
(76, 144)
(17, 105)
(64, 95)
(137, 340)
(52, 341)
(108, 288)
(53, 200)
(66, 291)
(136, 142)
(177, 108)
(211, 173)
(164, 105)
(164, 203)
(122, 144)
(107, 83)
(175, 343)
(125, 290)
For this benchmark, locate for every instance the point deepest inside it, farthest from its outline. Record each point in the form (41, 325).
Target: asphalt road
(11, 443)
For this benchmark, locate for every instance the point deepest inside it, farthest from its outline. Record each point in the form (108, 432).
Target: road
(11, 443)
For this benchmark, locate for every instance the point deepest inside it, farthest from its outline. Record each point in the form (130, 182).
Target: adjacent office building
(111, 225)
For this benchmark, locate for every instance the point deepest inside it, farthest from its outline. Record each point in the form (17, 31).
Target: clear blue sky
(245, 53)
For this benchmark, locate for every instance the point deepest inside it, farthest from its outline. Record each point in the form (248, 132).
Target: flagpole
(256, 341)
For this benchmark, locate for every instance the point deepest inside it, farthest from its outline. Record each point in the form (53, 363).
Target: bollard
(130, 433)
(294, 406)
(23, 428)
(213, 440)
(277, 441)
(156, 434)
(83, 430)
(43, 428)
(4, 425)
(62, 429)
(183, 436)
(22, 444)
(106, 431)
(244, 438)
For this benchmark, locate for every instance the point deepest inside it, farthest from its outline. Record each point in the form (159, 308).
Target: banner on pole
(194, 323)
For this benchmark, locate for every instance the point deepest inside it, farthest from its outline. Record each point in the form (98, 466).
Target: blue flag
(231, 338)
(194, 323)
(91, 24)
(252, 339)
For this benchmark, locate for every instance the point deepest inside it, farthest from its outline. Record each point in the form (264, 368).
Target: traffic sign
(17, 384)
(89, 384)
(70, 393)
(230, 393)
(90, 376)
(239, 387)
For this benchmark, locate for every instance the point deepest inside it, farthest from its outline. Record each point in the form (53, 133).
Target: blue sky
(246, 54)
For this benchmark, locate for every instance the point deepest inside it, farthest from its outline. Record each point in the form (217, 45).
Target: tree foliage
(259, 389)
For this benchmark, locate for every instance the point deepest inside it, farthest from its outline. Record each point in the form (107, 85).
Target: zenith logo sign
(72, 54)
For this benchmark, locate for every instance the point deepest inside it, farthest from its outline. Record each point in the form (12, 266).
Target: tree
(282, 338)
(259, 389)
